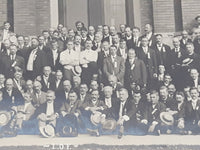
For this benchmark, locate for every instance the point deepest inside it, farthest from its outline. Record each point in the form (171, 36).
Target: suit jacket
(101, 57)
(40, 100)
(21, 86)
(182, 44)
(149, 59)
(129, 42)
(46, 87)
(53, 85)
(50, 61)
(153, 114)
(8, 65)
(196, 46)
(152, 39)
(192, 115)
(39, 62)
(170, 103)
(117, 68)
(24, 52)
(71, 109)
(14, 100)
(162, 55)
(135, 72)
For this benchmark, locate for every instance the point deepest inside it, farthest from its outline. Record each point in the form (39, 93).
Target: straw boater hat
(77, 70)
(4, 118)
(167, 118)
(47, 131)
(96, 118)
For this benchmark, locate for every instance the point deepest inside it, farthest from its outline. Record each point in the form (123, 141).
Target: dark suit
(50, 60)
(163, 54)
(129, 42)
(117, 68)
(135, 72)
(184, 42)
(46, 87)
(150, 61)
(14, 100)
(8, 65)
(38, 64)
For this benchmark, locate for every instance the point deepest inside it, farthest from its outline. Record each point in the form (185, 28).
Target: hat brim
(45, 134)
(6, 119)
(169, 123)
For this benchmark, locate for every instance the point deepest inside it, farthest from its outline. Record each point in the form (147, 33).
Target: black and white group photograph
(99, 74)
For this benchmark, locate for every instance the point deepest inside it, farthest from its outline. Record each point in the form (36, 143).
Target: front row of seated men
(123, 115)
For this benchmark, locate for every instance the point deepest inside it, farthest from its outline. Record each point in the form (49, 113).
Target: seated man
(153, 113)
(23, 112)
(68, 122)
(125, 112)
(93, 107)
(192, 112)
(48, 112)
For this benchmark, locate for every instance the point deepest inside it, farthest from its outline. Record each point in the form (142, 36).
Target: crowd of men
(99, 81)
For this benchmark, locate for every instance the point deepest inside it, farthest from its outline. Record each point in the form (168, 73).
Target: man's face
(71, 34)
(198, 20)
(2, 79)
(29, 85)
(147, 28)
(56, 35)
(59, 75)
(189, 49)
(54, 45)
(7, 44)
(112, 30)
(77, 40)
(137, 97)
(154, 98)
(194, 74)
(131, 54)
(105, 46)
(144, 42)
(76, 82)
(79, 26)
(100, 28)
(108, 92)
(179, 98)
(161, 69)
(163, 94)
(128, 32)
(37, 87)
(83, 89)
(20, 40)
(167, 79)
(13, 50)
(60, 26)
(136, 32)
(7, 26)
(18, 75)
(41, 40)
(50, 97)
(72, 97)
(94, 95)
(105, 30)
(70, 45)
(64, 31)
(94, 85)
(115, 39)
(113, 51)
(176, 42)
(194, 94)
(47, 71)
(46, 35)
(83, 33)
(158, 39)
(184, 34)
(122, 44)
(91, 30)
(26, 40)
(111, 81)
(97, 38)
(171, 89)
(123, 96)
(122, 28)
(9, 85)
(88, 45)
(34, 43)
(67, 86)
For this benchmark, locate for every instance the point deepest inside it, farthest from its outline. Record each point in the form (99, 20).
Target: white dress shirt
(50, 109)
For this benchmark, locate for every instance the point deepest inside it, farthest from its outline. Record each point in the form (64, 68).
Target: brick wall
(3, 11)
(163, 15)
(190, 9)
(31, 16)
(146, 12)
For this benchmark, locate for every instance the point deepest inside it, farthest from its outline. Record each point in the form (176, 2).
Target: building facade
(30, 17)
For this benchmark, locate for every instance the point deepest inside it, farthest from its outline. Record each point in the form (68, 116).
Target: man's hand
(144, 121)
